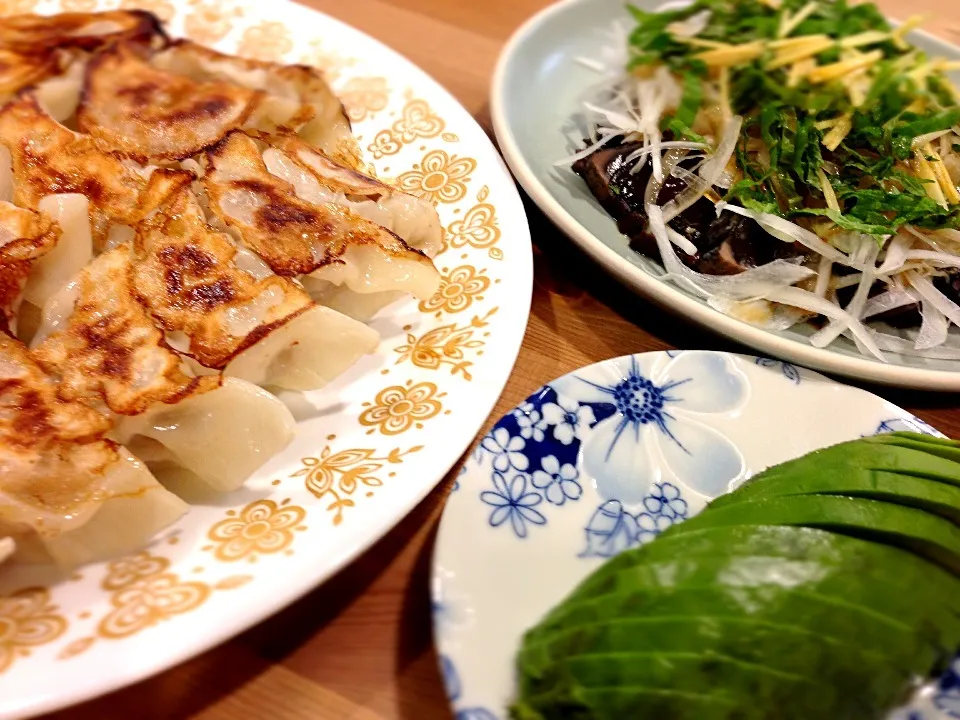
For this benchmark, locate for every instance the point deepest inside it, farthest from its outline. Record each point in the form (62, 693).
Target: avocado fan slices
(820, 588)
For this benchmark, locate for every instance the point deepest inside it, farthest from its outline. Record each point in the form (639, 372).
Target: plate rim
(245, 616)
(666, 295)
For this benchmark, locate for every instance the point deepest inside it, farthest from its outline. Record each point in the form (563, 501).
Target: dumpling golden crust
(333, 175)
(327, 127)
(49, 158)
(25, 236)
(67, 493)
(18, 70)
(88, 31)
(151, 114)
(110, 352)
(293, 236)
(189, 277)
(49, 449)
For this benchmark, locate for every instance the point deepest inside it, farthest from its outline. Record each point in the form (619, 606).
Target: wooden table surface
(360, 647)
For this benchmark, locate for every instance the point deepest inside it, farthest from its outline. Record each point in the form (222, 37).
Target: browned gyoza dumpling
(151, 114)
(18, 70)
(66, 492)
(286, 90)
(101, 345)
(48, 158)
(34, 34)
(318, 178)
(296, 237)
(233, 313)
(38, 48)
(25, 237)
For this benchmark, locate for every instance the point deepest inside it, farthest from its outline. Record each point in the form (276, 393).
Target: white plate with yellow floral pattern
(604, 459)
(368, 447)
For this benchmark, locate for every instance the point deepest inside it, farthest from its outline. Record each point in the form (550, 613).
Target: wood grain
(360, 647)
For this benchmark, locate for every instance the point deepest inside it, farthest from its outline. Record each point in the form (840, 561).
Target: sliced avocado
(926, 535)
(785, 648)
(893, 588)
(723, 677)
(913, 459)
(784, 541)
(848, 615)
(934, 496)
(881, 612)
(939, 447)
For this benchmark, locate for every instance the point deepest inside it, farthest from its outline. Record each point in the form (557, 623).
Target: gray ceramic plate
(536, 92)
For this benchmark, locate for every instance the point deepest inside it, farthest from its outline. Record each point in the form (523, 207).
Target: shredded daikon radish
(710, 172)
(814, 303)
(787, 231)
(896, 253)
(936, 298)
(893, 298)
(823, 276)
(750, 284)
(866, 256)
(589, 150)
(933, 327)
(892, 343)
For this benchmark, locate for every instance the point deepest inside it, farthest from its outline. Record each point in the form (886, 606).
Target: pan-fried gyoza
(179, 229)
(327, 241)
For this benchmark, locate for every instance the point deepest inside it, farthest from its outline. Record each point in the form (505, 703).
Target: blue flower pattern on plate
(947, 697)
(790, 372)
(513, 501)
(650, 428)
(910, 424)
(451, 683)
(613, 529)
(537, 446)
(558, 482)
(507, 450)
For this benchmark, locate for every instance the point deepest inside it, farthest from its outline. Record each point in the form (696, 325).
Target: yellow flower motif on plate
(266, 41)
(209, 22)
(128, 570)
(478, 229)
(148, 601)
(438, 177)
(261, 528)
(161, 8)
(459, 288)
(364, 96)
(27, 619)
(384, 143)
(417, 121)
(339, 475)
(446, 345)
(399, 408)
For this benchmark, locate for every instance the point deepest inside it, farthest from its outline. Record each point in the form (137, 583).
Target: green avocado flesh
(822, 588)
(924, 534)
(931, 495)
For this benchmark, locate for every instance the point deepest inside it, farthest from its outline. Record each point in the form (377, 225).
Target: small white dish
(536, 94)
(591, 465)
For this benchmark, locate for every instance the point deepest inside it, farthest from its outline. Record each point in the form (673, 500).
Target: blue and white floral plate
(604, 459)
